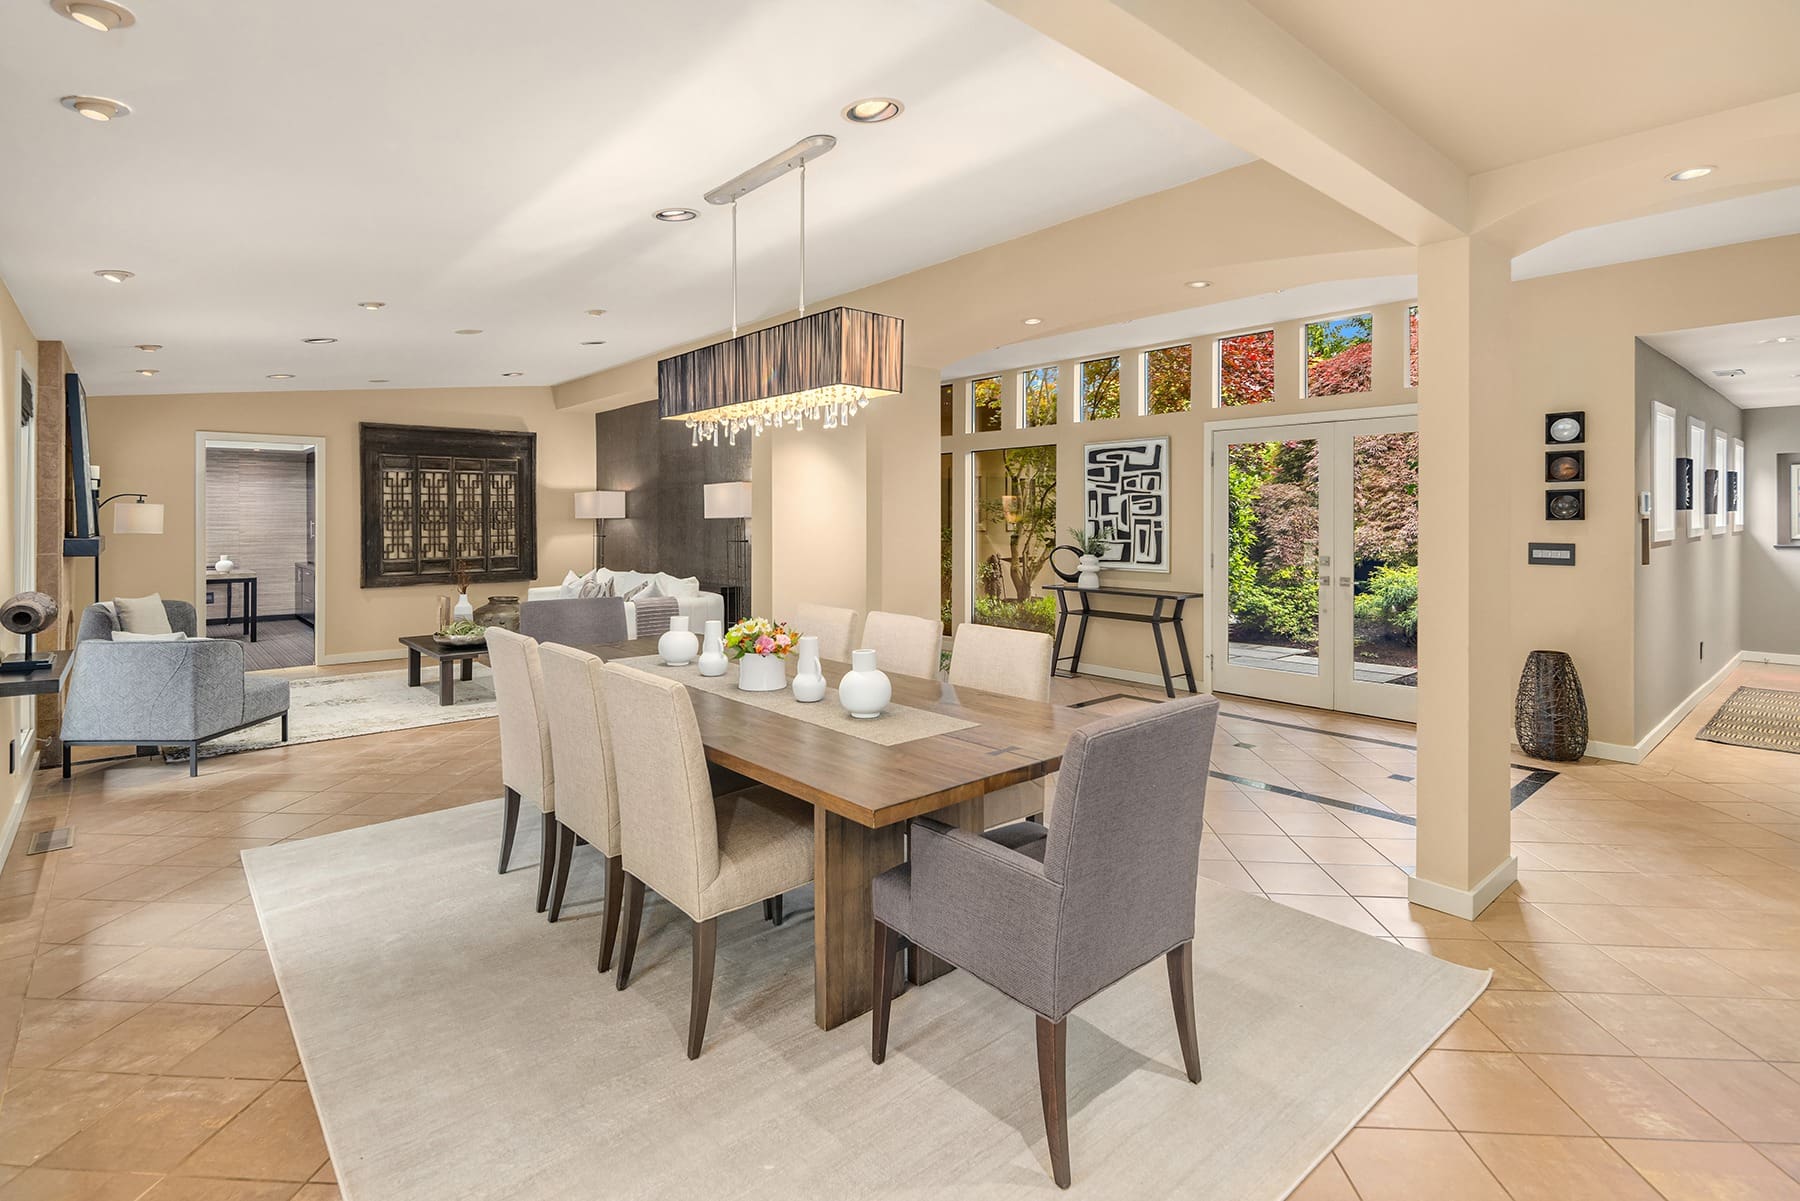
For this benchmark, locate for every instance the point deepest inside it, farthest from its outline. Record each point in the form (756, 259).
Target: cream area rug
(322, 708)
(459, 1046)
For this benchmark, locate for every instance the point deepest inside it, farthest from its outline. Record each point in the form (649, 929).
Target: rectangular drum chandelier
(821, 367)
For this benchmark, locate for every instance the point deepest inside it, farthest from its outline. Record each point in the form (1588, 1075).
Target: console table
(232, 579)
(1166, 611)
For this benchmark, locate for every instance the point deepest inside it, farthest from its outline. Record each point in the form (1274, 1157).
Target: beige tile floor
(1641, 1038)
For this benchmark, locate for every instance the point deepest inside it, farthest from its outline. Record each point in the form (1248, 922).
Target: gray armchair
(593, 621)
(1051, 918)
(162, 693)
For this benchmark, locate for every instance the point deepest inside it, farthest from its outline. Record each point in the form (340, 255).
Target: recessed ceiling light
(511, 374)
(1687, 173)
(378, 381)
(318, 341)
(675, 214)
(1784, 338)
(114, 275)
(146, 371)
(595, 342)
(371, 305)
(596, 312)
(282, 375)
(1034, 321)
(95, 14)
(1199, 283)
(468, 332)
(149, 347)
(873, 111)
(1729, 372)
(97, 108)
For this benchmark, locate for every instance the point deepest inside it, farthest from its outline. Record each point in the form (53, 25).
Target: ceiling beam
(1231, 69)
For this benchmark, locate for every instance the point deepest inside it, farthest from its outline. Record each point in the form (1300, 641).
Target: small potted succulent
(1089, 545)
(761, 648)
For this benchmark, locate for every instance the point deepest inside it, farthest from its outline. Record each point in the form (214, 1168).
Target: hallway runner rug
(1765, 718)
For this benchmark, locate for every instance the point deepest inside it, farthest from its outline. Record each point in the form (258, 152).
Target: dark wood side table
(419, 646)
(1167, 611)
(229, 580)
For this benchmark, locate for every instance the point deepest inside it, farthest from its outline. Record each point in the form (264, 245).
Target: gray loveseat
(151, 694)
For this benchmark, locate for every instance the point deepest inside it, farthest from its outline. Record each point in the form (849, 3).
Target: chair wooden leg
(609, 921)
(565, 849)
(769, 910)
(634, 913)
(509, 826)
(1181, 990)
(193, 759)
(66, 760)
(284, 729)
(886, 946)
(1053, 1084)
(706, 947)
(776, 912)
(546, 860)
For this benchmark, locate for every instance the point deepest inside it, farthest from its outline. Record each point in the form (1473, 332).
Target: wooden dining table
(862, 794)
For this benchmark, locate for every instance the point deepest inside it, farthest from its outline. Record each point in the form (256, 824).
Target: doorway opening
(1315, 548)
(257, 545)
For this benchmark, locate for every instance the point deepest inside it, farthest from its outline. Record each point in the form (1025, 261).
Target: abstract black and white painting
(1127, 490)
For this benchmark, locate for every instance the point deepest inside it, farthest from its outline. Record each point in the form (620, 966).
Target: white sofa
(697, 606)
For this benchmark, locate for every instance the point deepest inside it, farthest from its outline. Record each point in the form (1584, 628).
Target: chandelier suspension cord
(734, 270)
(803, 238)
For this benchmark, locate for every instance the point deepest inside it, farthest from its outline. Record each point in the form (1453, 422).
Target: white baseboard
(20, 799)
(1464, 903)
(1641, 749)
(1140, 677)
(1769, 657)
(362, 657)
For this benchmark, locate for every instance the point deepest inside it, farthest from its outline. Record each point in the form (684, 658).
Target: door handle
(1345, 581)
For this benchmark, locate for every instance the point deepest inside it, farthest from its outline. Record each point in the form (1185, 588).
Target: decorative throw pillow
(677, 586)
(128, 636)
(143, 614)
(570, 586)
(641, 589)
(591, 585)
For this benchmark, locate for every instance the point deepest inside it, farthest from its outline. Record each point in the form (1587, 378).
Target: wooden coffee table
(419, 646)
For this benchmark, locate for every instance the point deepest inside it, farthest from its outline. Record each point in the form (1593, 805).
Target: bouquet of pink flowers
(760, 636)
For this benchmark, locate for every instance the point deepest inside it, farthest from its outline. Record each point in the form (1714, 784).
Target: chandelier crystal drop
(830, 406)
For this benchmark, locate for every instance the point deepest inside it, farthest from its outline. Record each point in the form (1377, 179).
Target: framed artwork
(433, 498)
(1794, 502)
(1127, 502)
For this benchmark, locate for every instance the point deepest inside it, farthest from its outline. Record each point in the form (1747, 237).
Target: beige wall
(17, 344)
(147, 445)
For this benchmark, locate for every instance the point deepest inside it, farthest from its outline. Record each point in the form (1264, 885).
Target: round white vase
(762, 673)
(224, 564)
(679, 646)
(809, 677)
(463, 610)
(1088, 575)
(864, 692)
(712, 660)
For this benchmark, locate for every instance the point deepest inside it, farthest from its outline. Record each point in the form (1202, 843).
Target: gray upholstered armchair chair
(162, 693)
(1052, 917)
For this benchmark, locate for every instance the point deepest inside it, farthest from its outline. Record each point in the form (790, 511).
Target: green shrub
(1391, 603)
(1288, 612)
(1035, 613)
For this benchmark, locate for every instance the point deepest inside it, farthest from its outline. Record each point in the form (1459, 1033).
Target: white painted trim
(1640, 751)
(320, 558)
(1314, 417)
(20, 801)
(1782, 657)
(1464, 903)
(363, 657)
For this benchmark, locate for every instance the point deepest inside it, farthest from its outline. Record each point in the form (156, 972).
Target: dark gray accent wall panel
(663, 477)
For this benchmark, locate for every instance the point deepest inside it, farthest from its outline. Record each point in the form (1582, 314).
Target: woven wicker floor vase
(1550, 717)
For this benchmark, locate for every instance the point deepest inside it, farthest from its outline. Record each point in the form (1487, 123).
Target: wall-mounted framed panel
(1696, 448)
(1734, 490)
(1662, 472)
(435, 497)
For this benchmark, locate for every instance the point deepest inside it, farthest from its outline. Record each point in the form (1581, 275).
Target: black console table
(1167, 611)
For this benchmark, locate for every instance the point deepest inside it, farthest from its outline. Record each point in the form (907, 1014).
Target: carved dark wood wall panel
(433, 496)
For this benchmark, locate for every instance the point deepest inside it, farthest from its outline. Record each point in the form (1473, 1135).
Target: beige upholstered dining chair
(706, 855)
(1016, 663)
(526, 771)
(911, 646)
(833, 627)
(587, 793)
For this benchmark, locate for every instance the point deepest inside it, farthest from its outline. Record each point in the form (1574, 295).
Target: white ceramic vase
(1089, 574)
(809, 677)
(864, 692)
(712, 650)
(224, 564)
(463, 611)
(762, 673)
(679, 646)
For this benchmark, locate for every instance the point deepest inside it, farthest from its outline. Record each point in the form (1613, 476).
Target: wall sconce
(597, 507)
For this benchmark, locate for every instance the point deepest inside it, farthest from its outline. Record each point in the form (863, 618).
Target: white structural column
(1465, 854)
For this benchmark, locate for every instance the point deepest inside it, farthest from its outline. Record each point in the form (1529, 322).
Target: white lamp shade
(595, 505)
(137, 519)
(728, 500)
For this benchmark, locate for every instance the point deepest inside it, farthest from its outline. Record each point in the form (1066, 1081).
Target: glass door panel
(1381, 674)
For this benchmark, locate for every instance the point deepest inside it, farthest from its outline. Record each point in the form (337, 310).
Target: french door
(1315, 553)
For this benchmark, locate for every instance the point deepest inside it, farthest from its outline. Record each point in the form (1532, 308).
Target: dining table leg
(846, 859)
(922, 966)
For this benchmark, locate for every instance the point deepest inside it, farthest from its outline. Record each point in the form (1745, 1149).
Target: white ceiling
(1290, 304)
(475, 166)
(1771, 376)
(1721, 223)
